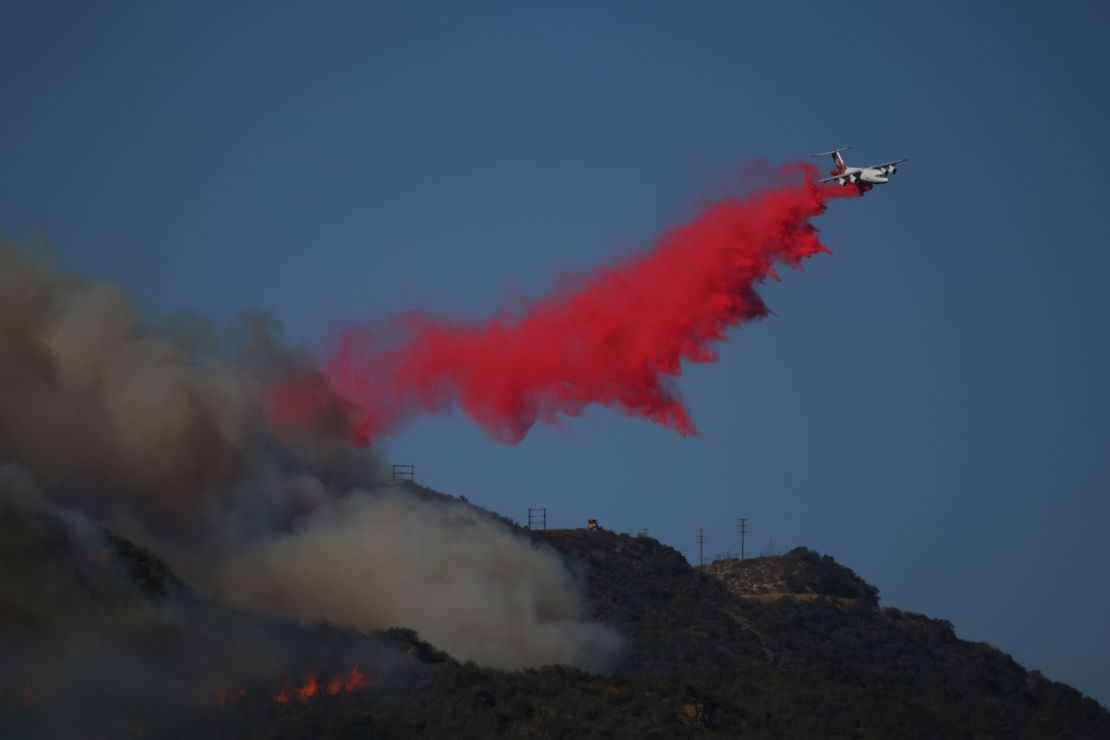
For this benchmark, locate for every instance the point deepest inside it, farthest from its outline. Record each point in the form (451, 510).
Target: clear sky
(929, 405)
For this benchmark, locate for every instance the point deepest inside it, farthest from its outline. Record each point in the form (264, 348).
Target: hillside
(795, 646)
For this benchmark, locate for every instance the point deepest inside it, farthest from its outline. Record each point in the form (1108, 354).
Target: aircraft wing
(851, 176)
(886, 165)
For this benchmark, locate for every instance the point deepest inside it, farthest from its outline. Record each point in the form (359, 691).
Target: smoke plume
(614, 337)
(89, 401)
(157, 433)
(97, 639)
(460, 578)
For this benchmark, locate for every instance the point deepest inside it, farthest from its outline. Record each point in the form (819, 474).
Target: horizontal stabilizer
(833, 151)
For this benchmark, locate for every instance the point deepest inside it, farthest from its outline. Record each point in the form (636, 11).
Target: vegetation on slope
(794, 646)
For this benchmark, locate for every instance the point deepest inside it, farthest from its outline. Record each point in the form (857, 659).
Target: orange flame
(336, 685)
(285, 694)
(357, 681)
(307, 691)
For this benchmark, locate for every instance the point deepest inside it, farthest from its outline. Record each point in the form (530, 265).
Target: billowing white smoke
(463, 580)
(131, 428)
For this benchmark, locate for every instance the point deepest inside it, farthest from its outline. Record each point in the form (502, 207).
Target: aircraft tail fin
(837, 159)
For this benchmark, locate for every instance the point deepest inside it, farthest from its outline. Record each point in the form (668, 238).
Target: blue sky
(929, 404)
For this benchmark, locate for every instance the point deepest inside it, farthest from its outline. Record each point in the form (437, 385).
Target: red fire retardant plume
(615, 337)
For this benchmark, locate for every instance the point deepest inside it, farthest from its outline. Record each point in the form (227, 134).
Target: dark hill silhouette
(797, 646)
(792, 646)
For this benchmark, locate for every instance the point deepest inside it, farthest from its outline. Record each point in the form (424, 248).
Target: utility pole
(701, 546)
(742, 528)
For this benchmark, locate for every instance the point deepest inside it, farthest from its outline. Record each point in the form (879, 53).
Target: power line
(742, 528)
(537, 518)
(701, 546)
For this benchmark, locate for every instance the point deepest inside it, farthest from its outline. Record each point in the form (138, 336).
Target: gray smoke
(158, 434)
(88, 401)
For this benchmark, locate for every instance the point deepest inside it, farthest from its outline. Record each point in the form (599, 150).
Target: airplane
(863, 178)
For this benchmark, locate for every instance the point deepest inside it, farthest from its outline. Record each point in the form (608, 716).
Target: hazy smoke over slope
(164, 442)
(35, 538)
(614, 337)
(97, 640)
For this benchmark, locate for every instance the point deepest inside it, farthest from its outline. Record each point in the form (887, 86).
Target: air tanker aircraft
(862, 177)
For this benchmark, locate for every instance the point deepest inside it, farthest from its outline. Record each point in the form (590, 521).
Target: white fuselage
(865, 174)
